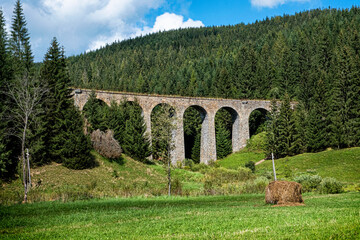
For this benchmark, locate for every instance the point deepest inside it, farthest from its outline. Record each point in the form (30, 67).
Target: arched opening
(257, 121)
(193, 118)
(95, 111)
(162, 131)
(224, 131)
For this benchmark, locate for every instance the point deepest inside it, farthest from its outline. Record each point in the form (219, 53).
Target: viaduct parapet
(208, 107)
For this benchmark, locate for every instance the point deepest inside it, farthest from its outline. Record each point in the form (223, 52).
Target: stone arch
(234, 128)
(93, 115)
(257, 119)
(192, 131)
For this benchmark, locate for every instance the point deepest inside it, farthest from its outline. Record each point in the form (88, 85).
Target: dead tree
(25, 95)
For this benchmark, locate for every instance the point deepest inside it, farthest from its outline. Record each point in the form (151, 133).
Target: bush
(105, 144)
(309, 182)
(201, 167)
(223, 181)
(331, 186)
(250, 165)
(257, 142)
(188, 163)
(176, 187)
(256, 186)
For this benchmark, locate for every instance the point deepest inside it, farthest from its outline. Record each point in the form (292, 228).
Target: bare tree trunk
(28, 167)
(23, 160)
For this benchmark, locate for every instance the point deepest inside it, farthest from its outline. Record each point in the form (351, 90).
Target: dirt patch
(259, 162)
(284, 193)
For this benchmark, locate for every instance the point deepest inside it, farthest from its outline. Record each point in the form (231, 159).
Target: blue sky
(84, 25)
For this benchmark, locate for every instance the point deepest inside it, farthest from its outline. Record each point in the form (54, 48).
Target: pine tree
(223, 127)
(287, 129)
(136, 143)
(272, 131)
(67, 142)
(95, 111)
(223, 141)
(20, 42)
(5, 76)
(195, 150)
(345, 96)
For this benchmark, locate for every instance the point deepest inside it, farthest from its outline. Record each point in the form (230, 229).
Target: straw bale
(284, 193)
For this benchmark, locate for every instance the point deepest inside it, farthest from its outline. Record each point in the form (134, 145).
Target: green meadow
(211, 217)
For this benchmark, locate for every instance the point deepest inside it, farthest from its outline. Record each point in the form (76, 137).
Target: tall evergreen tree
(6, 163)
(223, 128)
(287, 129)
(20, 42)
(67, 142)
(223, 141)
(272, 131)
(345, 94)
(136, 143)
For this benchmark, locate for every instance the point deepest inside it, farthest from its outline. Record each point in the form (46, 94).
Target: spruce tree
(5, 160)
(345, 96)
(287, 129)
(67, 142)
(223, 127)
(136, 143)
(223, 141)
(195, 150)
(272, 131)
(20, 42)
(95, 111)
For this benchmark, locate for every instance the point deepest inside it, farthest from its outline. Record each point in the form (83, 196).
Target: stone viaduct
(239, 109)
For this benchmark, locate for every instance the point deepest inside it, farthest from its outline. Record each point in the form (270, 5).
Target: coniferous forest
(312, 58)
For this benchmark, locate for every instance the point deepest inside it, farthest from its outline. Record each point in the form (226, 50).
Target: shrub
(250, 165)
(257, 142)
(256, 186)
(309, 182)
(105, 144)
(330, 186)
(188, 163)
(201, 167)
(219, 176)
(176, 187)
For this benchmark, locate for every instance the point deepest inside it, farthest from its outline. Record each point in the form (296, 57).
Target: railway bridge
(208, 107)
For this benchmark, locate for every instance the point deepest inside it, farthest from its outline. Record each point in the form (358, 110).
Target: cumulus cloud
(82, 25)
(164, 22)
(272, 3)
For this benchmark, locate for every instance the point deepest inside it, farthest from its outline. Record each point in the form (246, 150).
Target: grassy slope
(109, 179)
(219, 217)
(235, 160)
(343, 165)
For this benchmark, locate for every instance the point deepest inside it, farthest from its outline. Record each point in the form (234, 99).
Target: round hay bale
(284, 193)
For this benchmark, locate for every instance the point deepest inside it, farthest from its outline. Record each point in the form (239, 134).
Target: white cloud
(272, 3)
(169, 21)
(164, 22)
(81, 25)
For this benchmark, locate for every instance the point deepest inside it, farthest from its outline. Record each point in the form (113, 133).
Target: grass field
(344, 164)
(212, 217)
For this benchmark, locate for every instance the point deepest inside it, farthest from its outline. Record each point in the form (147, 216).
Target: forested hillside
(311, 57)
(260, 60)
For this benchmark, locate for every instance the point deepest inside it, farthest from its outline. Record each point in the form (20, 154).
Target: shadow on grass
(120, 160)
